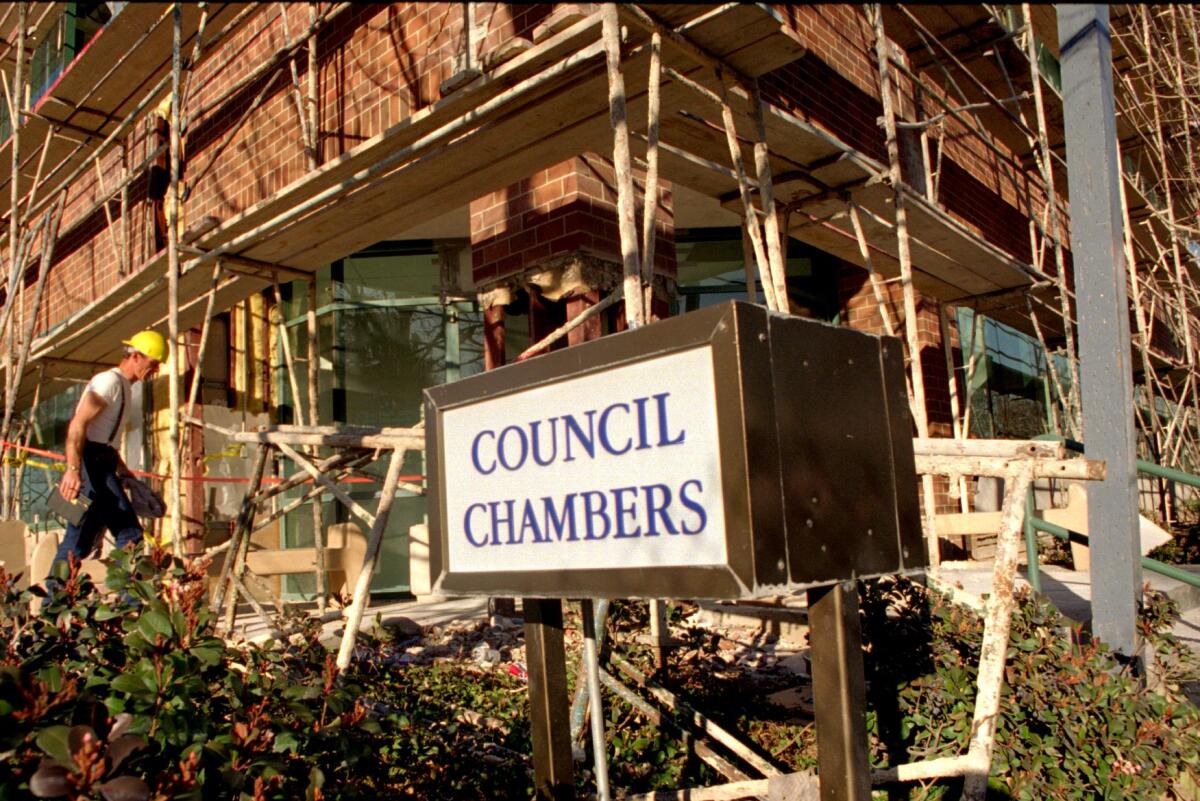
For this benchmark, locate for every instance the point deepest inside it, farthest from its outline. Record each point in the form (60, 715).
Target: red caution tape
(202, 479)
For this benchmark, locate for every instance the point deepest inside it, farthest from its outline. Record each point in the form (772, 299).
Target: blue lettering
(498, 520)
(692, 506)
(621, 509)
(475, 452)
(663, 437)
(537, 452)
(588, 442)
(467, 525)
(604, 440)
(658, 508)
(591, 512)
(501, 451)
(558, 522)
(643, 435)
(529, 521)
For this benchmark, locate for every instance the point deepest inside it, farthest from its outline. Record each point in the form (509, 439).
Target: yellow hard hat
(150, 344)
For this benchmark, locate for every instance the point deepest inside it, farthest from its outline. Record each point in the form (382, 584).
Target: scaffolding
(951, 81)
(991, 62)
(892, 222)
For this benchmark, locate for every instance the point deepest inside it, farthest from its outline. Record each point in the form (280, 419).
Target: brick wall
(381, 63)
(378, 64)
(860, 310)
(570, 207)
(835, 85)
(86, 258)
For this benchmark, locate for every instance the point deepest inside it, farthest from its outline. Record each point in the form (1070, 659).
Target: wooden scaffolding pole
(49, 228)
(16, 104)
(958, 482)
(14, 499)
(313, 100)
(1164, 161)
(750, 214)
(1052, 368)
(864, 248)
(313, 153)
(176, 468)
(194, 390)
(318, 521)
(911, 329)
(650, 203)
(635, 312)
(16, 114)
(1045, 164)
(766, 193)
(50, 222)
(241, 534)
(362, 587)
(315, 493)
(289, 361)
(1143, 330)
(997, 621)
(126, 255)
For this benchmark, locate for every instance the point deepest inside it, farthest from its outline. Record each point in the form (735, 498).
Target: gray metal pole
(1105, 360)
(591, 656)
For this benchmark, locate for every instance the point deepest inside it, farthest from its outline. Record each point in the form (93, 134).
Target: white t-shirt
(112, 388)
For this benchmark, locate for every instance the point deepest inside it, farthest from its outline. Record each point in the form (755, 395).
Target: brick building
(444, 175)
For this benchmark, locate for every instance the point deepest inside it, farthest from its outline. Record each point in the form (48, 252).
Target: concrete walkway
(1071, 592)
(427, 611)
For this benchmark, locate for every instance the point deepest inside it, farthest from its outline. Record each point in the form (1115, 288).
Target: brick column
(549, 245)
(557, 230)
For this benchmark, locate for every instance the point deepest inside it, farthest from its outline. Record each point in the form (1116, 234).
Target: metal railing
(1034, 524)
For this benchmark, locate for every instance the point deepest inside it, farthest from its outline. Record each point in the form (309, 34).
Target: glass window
(74, 29)
(1012, 393)
(385, 336)
(712, 270)
(40, 474)
(65, 39)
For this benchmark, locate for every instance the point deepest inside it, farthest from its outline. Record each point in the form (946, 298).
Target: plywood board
(750, 37)
(836, 237)
(403, 145)
(96, 337)
(570, 118)
(879, 230)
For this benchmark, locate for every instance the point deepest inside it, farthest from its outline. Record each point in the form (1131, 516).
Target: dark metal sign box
(727, 453)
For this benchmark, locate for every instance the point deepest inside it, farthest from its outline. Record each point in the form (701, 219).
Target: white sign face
(615, 469)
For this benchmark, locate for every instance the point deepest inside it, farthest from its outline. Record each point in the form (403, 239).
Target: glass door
(382, 344)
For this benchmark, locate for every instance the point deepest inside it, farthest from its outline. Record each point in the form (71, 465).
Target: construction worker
(94, 466)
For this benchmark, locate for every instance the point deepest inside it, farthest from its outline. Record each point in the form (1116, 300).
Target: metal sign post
(550, 728)
(835, 636)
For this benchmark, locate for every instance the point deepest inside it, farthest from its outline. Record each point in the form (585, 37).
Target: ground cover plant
(1182, 549)
(124, 693)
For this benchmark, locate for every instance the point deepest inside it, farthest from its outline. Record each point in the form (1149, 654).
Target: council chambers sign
(724, 453)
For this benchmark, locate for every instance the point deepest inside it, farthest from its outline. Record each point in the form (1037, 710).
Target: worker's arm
(91, 406)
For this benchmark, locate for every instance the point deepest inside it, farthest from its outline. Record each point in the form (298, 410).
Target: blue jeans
(110, 507)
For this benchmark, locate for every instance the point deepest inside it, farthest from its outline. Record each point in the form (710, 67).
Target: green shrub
(1182, 549)
(127, 695)
(1074, 723)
